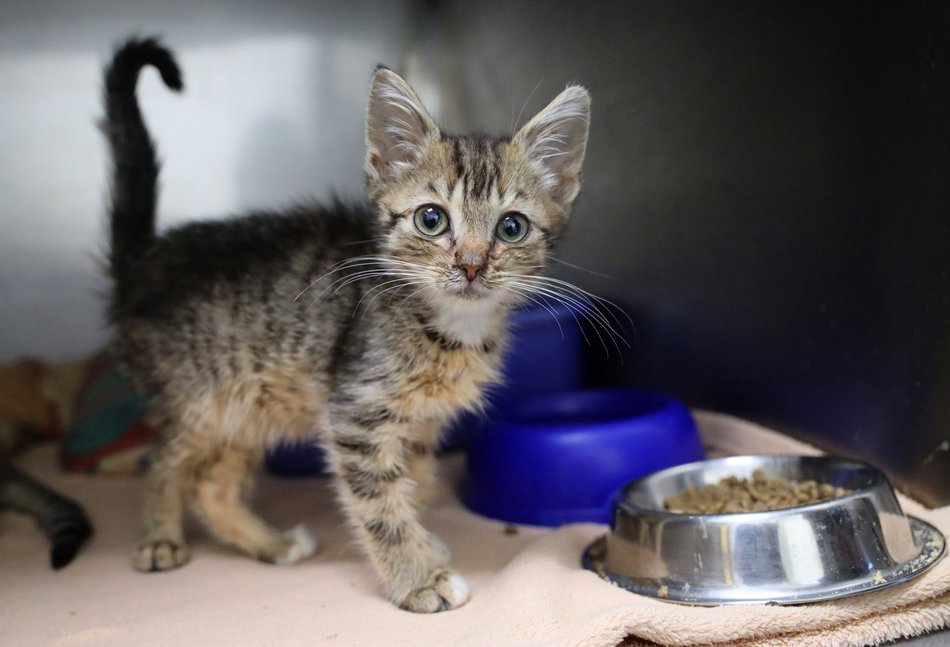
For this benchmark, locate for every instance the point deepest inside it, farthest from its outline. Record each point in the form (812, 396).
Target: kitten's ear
(397, 127)
(554, 142)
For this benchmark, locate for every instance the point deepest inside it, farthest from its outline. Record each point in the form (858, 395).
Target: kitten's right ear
(555, 140)
(397, 127)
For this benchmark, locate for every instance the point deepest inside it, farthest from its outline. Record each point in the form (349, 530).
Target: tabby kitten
(367, 327)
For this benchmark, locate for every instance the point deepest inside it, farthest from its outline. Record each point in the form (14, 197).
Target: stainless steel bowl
(844, 546)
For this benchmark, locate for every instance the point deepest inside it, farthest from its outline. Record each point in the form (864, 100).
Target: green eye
(431, 220)
(512, 228)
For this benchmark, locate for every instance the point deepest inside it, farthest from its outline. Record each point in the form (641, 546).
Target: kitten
(368, 327)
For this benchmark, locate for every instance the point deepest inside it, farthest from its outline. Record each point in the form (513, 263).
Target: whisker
(343, 281)
(576, 307)
(381, 263)
(582, 269)
(403, 302)
(364, 274)
(378, 239)
(364, 267)
(592, 306)
(399, 284)
(594, 309)
(612, 307)
(356, 277)
(540, 302)
(525, 105)
(573, 310)
(356, 261)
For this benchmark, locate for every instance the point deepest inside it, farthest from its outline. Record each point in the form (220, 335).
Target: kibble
(762, 492)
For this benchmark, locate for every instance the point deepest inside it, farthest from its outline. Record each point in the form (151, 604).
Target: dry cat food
(763, 492)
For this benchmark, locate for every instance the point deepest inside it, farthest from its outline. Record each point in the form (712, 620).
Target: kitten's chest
(445, 382)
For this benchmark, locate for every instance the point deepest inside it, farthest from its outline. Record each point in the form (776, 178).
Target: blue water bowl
(558, 458)
(296, 459)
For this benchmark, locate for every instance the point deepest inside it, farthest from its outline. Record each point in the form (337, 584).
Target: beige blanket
(528, 587)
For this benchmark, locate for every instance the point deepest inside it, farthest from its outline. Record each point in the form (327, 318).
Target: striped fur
(62, 520)
(342, 322)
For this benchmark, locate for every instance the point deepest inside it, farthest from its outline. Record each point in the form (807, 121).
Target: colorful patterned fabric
(108, 433)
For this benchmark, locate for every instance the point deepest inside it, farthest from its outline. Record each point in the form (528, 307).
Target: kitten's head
(465, 217)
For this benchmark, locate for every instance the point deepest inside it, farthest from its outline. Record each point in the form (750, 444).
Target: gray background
(766, 183)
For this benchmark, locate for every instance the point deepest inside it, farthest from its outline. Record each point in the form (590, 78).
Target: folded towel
(528, 587)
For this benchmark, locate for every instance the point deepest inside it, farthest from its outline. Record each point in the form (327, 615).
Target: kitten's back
(239, 254)
(237, 317)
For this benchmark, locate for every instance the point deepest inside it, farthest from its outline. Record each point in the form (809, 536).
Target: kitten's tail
(135, 166)
(61, 519)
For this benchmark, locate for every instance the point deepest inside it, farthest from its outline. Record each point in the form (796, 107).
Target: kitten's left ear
(397, 127)
(555, 140)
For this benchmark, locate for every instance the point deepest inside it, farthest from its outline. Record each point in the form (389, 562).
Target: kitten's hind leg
(220, 503)
(163, 547)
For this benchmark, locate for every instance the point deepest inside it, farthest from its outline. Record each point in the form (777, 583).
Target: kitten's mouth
(471, 291)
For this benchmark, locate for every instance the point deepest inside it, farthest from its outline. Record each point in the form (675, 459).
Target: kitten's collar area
(470, 323)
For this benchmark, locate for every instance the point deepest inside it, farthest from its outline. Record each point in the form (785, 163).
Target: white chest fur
(472, 323)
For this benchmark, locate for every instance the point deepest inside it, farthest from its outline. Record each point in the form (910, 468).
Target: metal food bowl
(840, 547)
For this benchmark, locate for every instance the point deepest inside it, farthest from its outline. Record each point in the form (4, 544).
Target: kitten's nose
(470, 271)
(470, 261)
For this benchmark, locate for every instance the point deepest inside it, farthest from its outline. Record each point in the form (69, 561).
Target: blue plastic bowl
(296, 459)
(559, 458)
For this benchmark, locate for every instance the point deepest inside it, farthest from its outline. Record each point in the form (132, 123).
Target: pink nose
(470, 260)
(471, 271)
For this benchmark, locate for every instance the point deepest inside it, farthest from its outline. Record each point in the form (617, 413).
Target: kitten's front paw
(160, 555)
(298, 543)
(445, 590)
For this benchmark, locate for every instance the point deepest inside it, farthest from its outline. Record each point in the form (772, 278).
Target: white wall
(272, 113)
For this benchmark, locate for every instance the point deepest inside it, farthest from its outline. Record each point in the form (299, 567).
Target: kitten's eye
(512, 228)
(431, 220)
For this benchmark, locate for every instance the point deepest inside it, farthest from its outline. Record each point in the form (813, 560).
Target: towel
(528, 586)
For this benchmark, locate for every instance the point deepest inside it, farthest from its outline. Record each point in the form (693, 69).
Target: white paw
(301, 544)
(445, 590)
(458, 590)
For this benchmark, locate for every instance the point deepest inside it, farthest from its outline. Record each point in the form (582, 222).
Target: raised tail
(62, 520)
(135, 166)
